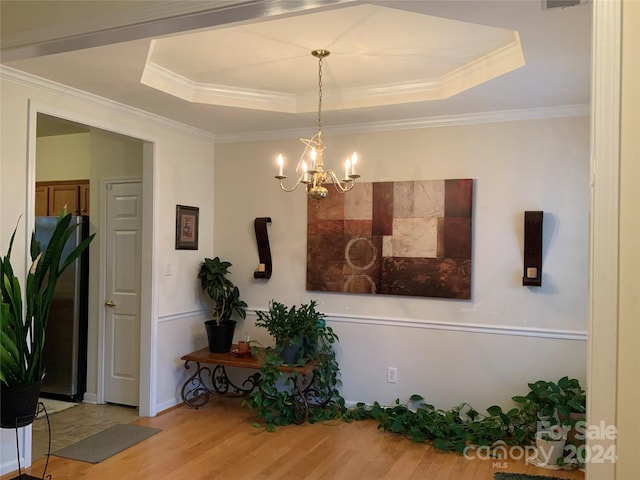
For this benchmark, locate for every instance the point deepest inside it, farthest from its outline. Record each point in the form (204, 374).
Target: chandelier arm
(341, 185)
(298, 182)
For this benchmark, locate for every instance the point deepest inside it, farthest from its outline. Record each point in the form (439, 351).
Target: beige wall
(516, 166)
(628, 416)
(63, 157)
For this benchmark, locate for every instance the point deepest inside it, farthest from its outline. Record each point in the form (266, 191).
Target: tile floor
(73, 424)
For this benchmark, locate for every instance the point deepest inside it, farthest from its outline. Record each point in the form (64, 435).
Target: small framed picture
(186, 227)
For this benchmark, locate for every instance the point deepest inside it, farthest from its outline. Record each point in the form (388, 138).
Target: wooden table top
(230, 359)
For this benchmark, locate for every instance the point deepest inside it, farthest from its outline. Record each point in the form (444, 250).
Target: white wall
(178, 168)
(481, 351)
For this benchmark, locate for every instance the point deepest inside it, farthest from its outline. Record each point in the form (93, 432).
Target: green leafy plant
(553, 401)
(276, 400)
(225, 295)
(290, 325)
(22, 332)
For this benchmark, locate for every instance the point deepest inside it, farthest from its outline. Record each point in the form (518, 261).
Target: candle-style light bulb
(347, 166)
(354, 160)
(312, 163)
(305, 173)
(280, 165)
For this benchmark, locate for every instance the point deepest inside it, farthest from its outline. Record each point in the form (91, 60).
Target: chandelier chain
(319, 94)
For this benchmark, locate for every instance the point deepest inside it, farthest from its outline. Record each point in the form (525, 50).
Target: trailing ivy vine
(452, 429)
(463, 426)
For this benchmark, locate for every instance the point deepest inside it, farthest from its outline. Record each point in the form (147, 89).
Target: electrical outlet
(392, 375)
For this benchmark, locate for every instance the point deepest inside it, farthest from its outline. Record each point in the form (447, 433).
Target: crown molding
(167, 81)
(16, 76)
(499, 62)
(516, 115)
(502, 60)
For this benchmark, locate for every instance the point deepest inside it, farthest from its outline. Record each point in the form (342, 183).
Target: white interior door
(122, 296)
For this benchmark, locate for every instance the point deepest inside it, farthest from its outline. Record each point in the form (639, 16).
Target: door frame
(103, 283)
(148, 311)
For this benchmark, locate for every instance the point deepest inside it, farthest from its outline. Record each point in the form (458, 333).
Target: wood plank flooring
(217, 441)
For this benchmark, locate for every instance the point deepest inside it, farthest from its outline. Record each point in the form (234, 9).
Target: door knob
(110, 303)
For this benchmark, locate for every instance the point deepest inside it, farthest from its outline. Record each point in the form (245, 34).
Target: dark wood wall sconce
(532, 249)
(264, 252)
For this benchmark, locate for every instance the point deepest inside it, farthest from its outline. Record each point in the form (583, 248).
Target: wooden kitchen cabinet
(51, 197)
(42, 201)
(84, 198)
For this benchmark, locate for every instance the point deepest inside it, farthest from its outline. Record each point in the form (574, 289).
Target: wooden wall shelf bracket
(264, 252)
(532, 249)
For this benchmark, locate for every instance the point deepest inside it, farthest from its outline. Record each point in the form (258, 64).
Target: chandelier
(311, 164)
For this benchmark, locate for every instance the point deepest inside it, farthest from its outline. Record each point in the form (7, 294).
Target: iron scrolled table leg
(314, 394)
(222, 383)
(299, 399)
(194, 391)
(220, 380)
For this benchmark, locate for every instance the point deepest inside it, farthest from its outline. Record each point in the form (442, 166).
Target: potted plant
(550, 446)
(22, 330)
(572, 408)
(302, 336)
(226, 297)
(554, 406)
(292, 328)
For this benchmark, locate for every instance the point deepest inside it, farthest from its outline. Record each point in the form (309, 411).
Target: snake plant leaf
(10, 363)
(9, 355)
(23, 333)
(76, 253)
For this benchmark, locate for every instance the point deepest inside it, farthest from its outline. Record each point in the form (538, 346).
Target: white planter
(549, 451)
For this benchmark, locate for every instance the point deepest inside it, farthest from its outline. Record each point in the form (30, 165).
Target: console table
(196, 393)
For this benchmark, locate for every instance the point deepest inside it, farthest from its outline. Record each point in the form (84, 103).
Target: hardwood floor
(217, 441)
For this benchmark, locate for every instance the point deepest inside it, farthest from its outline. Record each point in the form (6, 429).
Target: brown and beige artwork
(393, 238)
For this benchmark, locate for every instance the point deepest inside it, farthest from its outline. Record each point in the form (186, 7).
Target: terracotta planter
(19, 404)
(576, 435)
(243, 347)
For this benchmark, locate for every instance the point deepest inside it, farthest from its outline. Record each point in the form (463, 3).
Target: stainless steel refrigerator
(65, 350)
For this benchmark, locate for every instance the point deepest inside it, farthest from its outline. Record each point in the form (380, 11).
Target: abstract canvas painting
(393, 238)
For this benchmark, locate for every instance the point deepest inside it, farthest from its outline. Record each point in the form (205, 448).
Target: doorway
(76, 150)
